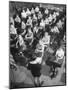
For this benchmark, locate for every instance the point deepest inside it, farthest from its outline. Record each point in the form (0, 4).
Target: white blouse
(23, 14)
(13, 30)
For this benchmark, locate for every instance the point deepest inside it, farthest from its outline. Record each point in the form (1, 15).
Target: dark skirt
(35, 69)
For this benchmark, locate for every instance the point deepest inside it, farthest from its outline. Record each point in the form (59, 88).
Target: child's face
(46, 34)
